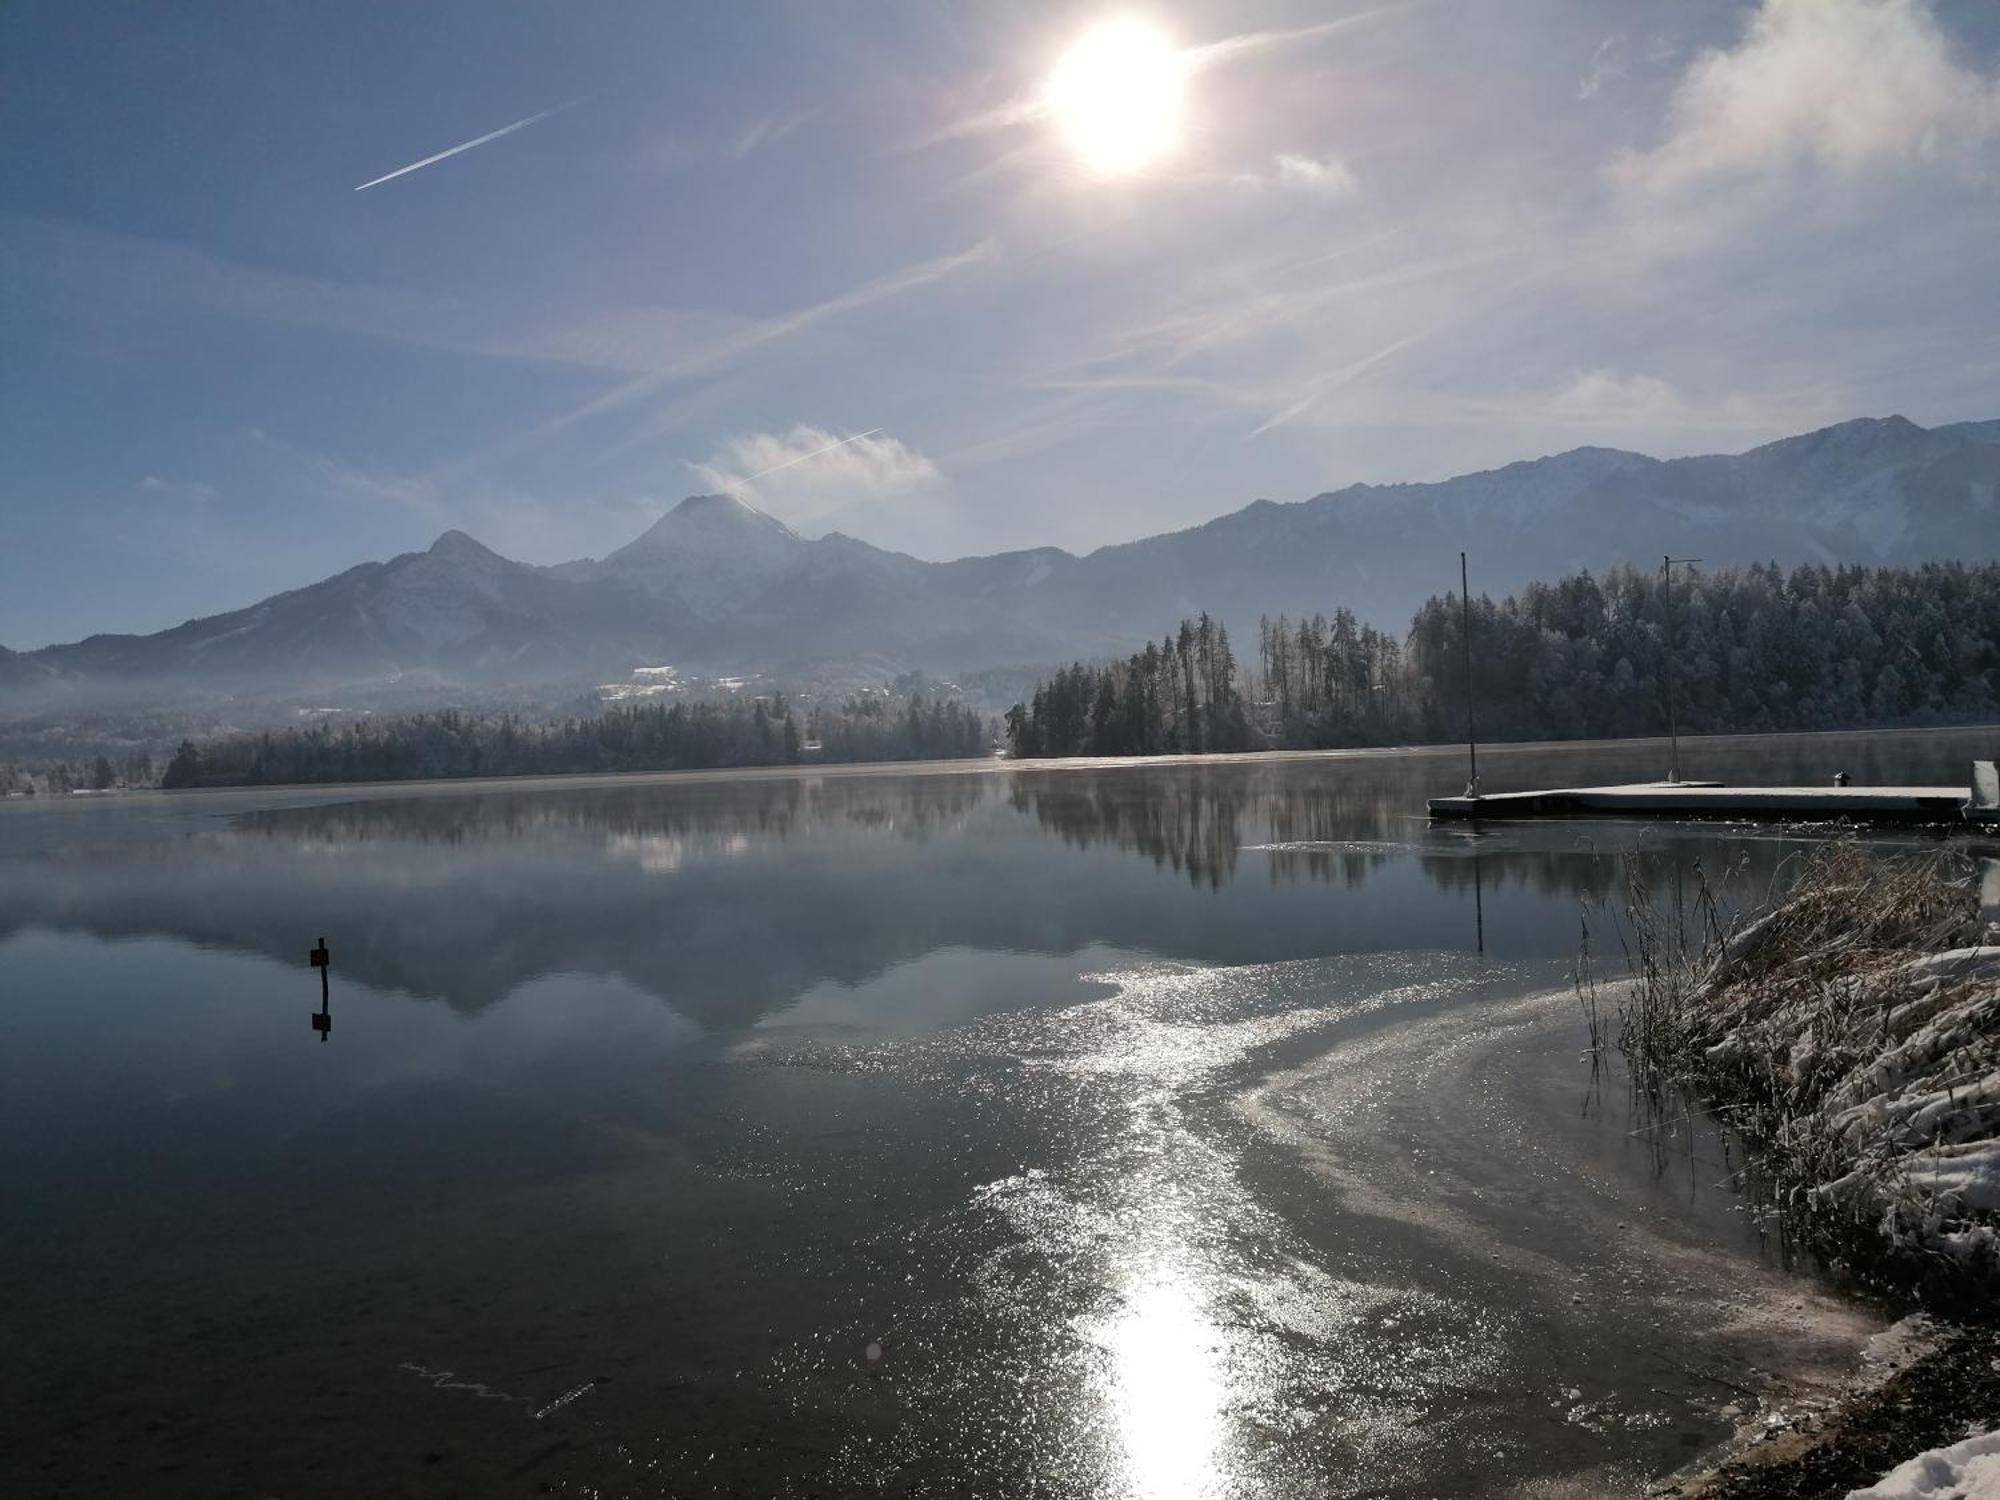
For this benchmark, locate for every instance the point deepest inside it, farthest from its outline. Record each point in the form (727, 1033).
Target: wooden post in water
(1471, 738)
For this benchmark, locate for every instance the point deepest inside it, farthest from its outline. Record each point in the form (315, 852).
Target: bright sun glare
(1116, 96)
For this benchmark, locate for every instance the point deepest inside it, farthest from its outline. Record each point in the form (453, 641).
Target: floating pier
(1710, 799)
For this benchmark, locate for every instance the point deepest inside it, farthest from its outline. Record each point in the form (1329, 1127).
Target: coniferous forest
(684, 736)
(1177, 696)
(1752, 649)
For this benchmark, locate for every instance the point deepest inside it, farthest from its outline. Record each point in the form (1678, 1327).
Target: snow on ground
(1965, 1471)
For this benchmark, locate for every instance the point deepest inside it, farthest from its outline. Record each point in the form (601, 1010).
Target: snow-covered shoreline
(1908, 1427)
(1965, 1470)
(1851, 1033)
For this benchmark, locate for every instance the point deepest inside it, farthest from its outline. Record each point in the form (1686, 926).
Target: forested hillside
(1753, 649)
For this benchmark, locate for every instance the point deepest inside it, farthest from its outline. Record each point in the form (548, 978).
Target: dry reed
(1850, 1033)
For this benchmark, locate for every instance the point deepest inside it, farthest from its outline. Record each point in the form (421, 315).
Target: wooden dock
(1709, 799)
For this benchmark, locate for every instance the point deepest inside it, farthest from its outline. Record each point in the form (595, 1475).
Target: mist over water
(1171, 1129)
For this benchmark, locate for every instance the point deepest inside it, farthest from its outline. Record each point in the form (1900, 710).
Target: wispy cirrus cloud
(123, 282)
(1320, 385)
(518, 522)
(1609, 64)
(679, 153)
(768, 131)
(700, 358)
(1260, 299)
(1249, 43)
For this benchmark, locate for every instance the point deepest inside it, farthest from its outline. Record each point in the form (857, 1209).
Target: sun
(1116, 96)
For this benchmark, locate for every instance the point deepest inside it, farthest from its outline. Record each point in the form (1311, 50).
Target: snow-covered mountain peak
(456, 546)
(709, 549)
(717, 516)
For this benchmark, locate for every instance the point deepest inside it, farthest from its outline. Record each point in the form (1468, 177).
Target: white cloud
(1842, 85)
(1644, 408)
(1331, 177)
(809, 475)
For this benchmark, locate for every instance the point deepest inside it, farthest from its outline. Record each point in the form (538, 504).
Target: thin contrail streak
(464, 146)
(814, 454)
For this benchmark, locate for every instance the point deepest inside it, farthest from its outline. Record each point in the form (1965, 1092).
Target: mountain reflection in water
(729, 899)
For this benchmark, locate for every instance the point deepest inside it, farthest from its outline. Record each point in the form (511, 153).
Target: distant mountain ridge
(716, 584)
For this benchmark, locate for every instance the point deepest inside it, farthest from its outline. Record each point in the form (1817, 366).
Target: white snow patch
(624, 692)
(1965, 1471)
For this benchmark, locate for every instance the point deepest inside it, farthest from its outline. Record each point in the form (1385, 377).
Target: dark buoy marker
(322, 960)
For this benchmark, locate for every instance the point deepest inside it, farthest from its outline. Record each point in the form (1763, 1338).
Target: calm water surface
(1169, 1130)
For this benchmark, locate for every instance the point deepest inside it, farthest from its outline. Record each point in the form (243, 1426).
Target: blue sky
(1437, 237)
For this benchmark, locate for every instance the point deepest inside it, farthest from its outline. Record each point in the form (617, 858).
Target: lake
(1206, 1128)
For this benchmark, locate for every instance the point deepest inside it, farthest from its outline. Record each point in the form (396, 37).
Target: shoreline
(1922, 1385)
(1847, 1028)
(979, 765)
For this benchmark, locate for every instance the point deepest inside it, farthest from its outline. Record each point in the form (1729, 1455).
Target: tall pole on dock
(1667, 610)
(1465, 620)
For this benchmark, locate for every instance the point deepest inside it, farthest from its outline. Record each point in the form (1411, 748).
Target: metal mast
(1667, 611)
(1471, 737)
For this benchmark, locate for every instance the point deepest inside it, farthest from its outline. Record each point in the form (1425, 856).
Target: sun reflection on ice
(1167, 1394)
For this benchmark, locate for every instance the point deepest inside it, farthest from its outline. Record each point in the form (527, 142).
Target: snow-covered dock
(1707, 799)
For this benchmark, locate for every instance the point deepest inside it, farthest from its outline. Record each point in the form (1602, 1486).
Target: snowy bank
(1969, 1470)
(1852, 1033)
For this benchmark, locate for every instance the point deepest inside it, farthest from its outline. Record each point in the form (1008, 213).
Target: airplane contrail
(492, 135)
(814, 454)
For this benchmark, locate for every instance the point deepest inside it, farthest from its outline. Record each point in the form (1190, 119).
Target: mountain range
(718, 586)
